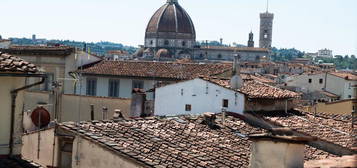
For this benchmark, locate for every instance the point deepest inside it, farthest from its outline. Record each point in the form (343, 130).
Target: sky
(307, 25)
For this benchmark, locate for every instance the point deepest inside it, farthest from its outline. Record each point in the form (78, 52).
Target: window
(310, 80)
(138, 84)
(91, 86)
(257, 58)
(321, 81)
(151, 42)
(113, 88)
(183, 43)
(225, 103)
(166, 42)
(219, 56)
(188, 107)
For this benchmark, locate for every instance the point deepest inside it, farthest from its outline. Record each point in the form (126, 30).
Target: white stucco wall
(334, 84)
(5, 44)
(203, 97)
(6, 85)
(302, 81)
(340, 86)
(87, 154)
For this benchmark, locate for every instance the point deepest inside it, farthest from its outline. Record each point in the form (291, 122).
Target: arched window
(183, 43)
(151, 42)
(219, 56)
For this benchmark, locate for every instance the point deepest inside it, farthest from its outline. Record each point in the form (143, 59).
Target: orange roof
(345, 75)
(257, 90)
(149, 69)
(341, 162)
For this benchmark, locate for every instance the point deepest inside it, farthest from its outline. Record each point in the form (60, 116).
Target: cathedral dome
(171, 21)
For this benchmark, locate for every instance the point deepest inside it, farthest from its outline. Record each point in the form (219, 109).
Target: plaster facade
(7, 85)
(202, 96)
(268, 154)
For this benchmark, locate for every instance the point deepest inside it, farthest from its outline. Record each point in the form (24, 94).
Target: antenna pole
(267, 6)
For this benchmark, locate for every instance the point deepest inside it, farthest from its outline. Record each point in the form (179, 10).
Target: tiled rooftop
(258, 90)
(336, 129)
(9, 63)
(345, 75)
(146, 69)
(335, 162)
(39, 50)
(178, 142)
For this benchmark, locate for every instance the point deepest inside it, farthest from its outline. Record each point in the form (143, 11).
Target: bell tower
(266, 29)
(251, 40)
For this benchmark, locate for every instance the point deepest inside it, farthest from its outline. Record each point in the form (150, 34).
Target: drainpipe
(13, 107)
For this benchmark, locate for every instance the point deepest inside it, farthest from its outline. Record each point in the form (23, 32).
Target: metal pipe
(13, 104)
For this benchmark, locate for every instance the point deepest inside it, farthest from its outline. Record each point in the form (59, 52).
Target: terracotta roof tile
(331, 128)
(256, 89)
(345, 75)
(39, 50)
(9, 63)
(340, 162)
(146, 69)
(178, 142)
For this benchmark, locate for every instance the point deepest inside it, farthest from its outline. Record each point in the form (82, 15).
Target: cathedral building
(171, 34)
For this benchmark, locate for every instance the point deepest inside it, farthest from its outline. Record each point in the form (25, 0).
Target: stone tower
(266, 29)
(251, 40)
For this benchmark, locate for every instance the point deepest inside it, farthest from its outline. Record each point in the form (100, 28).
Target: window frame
(134, 82)
(91, 86)
(113, 91)
(225, 103)
(188, 107)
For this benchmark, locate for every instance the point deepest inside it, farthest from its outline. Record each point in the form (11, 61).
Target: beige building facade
(13, 75)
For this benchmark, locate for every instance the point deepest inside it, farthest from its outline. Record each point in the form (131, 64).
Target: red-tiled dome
(171, 21)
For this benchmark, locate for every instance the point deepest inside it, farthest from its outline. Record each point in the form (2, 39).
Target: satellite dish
(40, 117)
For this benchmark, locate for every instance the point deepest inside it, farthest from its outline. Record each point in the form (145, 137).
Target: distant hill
(284, 54)
(99, 48)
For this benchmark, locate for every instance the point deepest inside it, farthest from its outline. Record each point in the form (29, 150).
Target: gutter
(13, 102)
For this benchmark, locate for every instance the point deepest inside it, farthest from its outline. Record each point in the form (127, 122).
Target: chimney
(92, 112)
(209, 119)
(283, 151)
(117, 114)
(236, 80)
(104, 113)
(221, 41)
(137, 103)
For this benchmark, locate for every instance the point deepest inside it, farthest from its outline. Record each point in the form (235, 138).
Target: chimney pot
(210, 120)
(118, 114)
(270, 150)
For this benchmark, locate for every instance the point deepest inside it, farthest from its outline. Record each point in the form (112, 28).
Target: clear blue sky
(304, 24)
